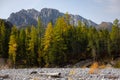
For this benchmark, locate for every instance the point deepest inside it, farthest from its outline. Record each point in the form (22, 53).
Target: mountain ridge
(30, 16)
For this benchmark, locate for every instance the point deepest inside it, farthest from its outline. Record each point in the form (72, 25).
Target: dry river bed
(64, 74)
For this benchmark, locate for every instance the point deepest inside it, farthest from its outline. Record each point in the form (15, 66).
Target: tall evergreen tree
(59, 46)
(2, 38)
(27, 50)
(40, 33)
(114, 36)
(21, 56)
(93, 42)
(104, 44)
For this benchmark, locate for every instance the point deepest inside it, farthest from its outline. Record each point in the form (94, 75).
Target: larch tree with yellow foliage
(32, 45)
(47, 42)
(13, 46)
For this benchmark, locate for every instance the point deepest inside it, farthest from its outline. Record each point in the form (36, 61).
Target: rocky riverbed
(65, 74)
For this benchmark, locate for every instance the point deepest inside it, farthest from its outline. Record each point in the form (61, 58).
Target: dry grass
(102, 66)
(93, 68)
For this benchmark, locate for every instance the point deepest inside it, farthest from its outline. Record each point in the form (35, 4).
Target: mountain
(105, 25)
(24, 17)
(30, 16)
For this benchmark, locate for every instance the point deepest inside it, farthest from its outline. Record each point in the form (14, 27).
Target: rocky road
(65, 74)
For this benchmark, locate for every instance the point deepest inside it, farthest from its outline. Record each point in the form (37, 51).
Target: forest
(58, 44)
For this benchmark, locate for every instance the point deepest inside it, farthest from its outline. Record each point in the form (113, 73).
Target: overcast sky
(95, 10)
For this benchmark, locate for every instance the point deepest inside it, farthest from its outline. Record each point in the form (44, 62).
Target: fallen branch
(50, 74)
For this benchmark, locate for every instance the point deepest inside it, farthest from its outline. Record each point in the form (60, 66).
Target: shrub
(117, 64)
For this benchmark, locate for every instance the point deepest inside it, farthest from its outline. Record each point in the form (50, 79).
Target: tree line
(59, 44)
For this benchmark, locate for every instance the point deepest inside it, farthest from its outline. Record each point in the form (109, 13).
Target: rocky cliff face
(30, 16)
(24, 17)
(48, 15)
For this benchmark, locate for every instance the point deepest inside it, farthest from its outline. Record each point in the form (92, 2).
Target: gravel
(66, 74)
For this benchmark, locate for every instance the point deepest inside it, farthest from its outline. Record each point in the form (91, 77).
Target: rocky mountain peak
(30, 16)
(49, 10)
